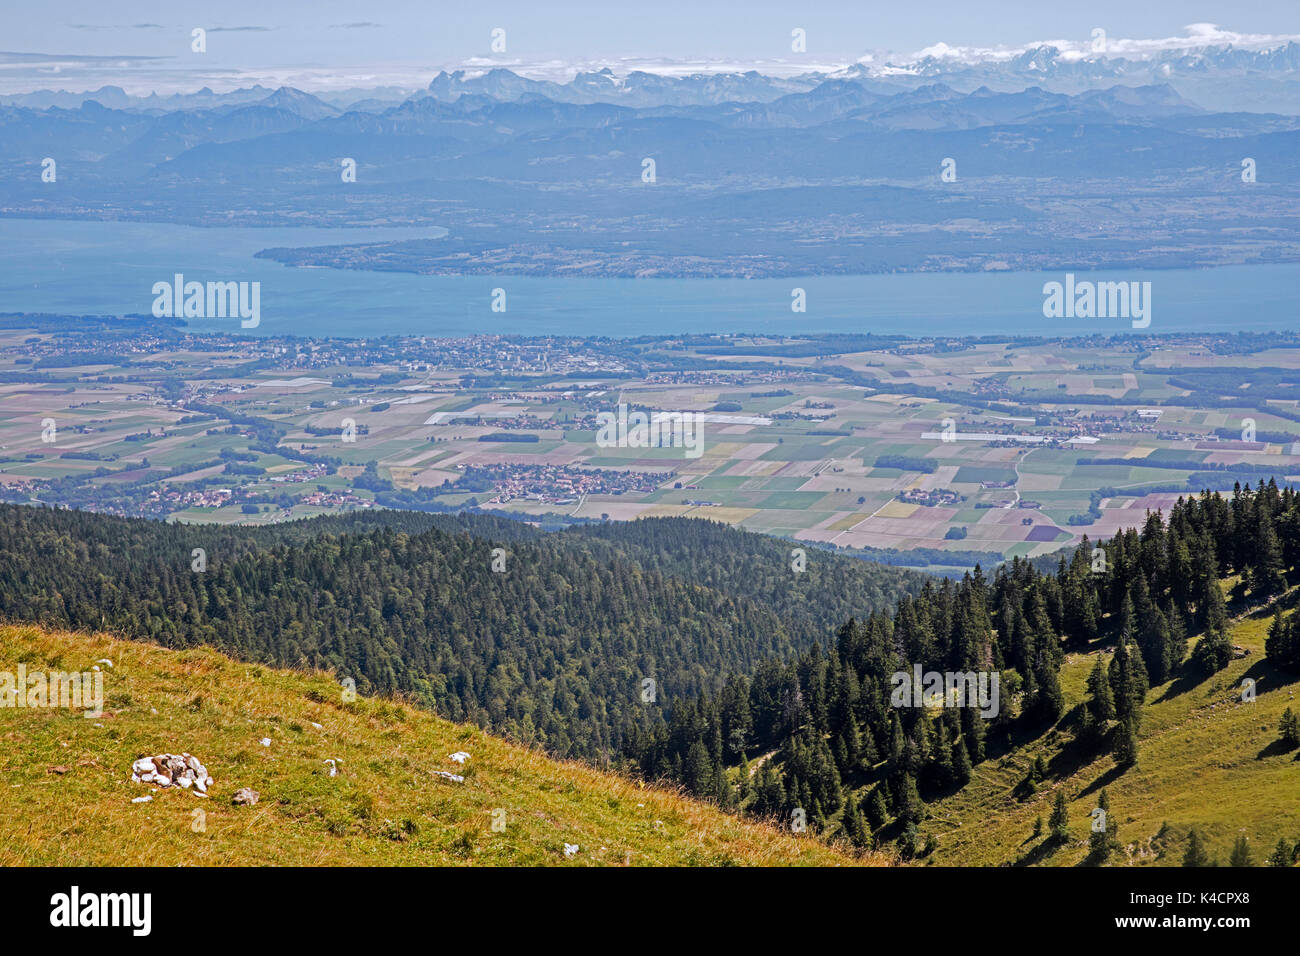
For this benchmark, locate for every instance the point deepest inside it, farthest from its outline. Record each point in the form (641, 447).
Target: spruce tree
(1059, 822)
(907, 842)
(910, 807)
(1049, 702)
(1281, 647)
(1154, 640)
(1281, 855)
(1241, 853)
(1289, 728)
(1098, 846)
(1125, 750)
(876, 809)
(1101, 703)
(1195, 854)
(961, 767)
(855, 827)
(1177, 635)
(1267, 577)
(1213, 652)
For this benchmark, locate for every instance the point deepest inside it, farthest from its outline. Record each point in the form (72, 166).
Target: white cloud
(1197, 36)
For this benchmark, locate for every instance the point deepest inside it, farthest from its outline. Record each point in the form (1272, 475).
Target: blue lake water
(110, 268)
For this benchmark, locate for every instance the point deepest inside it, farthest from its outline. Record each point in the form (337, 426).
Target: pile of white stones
(172, 770)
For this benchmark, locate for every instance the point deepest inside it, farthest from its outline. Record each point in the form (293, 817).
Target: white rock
(453, 777)
(266, 741)
(459, 756)
(571, 849)
(145, 799)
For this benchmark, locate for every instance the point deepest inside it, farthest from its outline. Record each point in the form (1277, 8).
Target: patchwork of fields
(1013, 448)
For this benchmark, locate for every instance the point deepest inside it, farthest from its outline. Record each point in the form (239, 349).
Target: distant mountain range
(753, 175)
(1224, 78)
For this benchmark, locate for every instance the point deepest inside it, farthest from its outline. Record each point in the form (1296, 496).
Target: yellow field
(386, 806)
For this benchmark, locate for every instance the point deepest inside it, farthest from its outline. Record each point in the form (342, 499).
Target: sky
(335, 44)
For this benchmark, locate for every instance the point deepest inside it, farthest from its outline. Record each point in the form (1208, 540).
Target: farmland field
(1035, 443)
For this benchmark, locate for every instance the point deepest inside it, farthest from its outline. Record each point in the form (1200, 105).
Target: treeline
(831, 741)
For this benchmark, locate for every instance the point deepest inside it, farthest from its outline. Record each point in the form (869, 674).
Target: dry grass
(385, 807)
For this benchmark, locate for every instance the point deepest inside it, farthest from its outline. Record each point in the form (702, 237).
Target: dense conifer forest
(817, 734)
(552, 647)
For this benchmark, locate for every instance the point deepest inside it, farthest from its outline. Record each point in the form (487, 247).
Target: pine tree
(855, 827)
(1154, 640)
(961, 767)
(698, 769)
(1126, 745)
(910, 807)
(1281, 646)
(1241, 853)
(1049, 702)
(1213, 652)
(769, 795)
(1289, 728)
(1267, 577)
(1195, 854)
(1098, 846)
(1281, 855)
(1101, 703)
(876, 809)
(1128, 683)
(1059, 822)
(1177, 635)
(907, 842)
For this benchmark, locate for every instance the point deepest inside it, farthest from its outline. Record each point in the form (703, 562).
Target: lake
(75, 267)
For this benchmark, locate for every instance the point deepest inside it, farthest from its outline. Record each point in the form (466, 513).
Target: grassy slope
(384, 808)
(1205, 759)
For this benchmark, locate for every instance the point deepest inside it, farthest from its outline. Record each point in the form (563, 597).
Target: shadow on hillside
(1276, 747)
(1187, 679)
(1039, 853)
(1073, 756)
(1006, 740)
(1104, 780)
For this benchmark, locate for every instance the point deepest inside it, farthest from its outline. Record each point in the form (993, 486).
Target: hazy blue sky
(335, 41)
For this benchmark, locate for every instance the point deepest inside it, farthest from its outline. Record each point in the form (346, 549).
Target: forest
(825, 742)
(545, 638)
